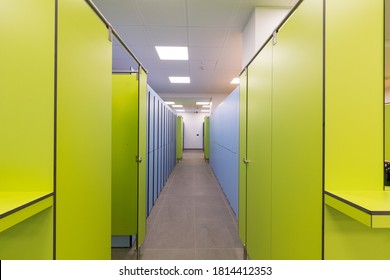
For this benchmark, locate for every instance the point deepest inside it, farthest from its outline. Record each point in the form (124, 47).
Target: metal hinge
(138, 159)
(110, 33)
(274, 38)
(244, 160)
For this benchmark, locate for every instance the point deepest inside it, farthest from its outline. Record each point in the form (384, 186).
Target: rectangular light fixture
(205, 111)
(169, 102)
(206, 106)
(177, 106)
(180, 110)
(202, 103)
(235, 81)
(172, 53)
(179, 80)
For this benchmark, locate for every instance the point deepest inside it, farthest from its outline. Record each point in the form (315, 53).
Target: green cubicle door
(259, 155)
(179, 137)
(241, 157)
(84, 85)
(297, 121)
(124, 152)
(142, 111)
(206, 138)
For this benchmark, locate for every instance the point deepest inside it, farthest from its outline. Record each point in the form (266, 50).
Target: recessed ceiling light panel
(177, 106)
(179, 80)
(169, 102)
(235, 81)
(172, 53)
(202, 103)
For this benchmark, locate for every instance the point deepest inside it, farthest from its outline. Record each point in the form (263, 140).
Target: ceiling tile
(133, 35)
(123, 64)
(207, 37)
(202, 53)
(168, 36)
(163, 13)
(215, 13)
(145, 53)
(122, 12)
(118, 52)
(202, 65)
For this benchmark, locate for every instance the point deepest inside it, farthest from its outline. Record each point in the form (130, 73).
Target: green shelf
(16, 207)
(372, 208)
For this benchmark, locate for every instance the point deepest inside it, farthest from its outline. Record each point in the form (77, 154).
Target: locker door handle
(244, 160)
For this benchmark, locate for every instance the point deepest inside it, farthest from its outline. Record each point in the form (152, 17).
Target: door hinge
(244, 160)
(110, 33)
(274, 38)
(138, 159)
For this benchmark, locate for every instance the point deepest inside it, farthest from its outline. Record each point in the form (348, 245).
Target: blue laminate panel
(224, 146)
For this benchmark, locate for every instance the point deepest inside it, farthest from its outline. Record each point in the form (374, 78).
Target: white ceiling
(211, 29)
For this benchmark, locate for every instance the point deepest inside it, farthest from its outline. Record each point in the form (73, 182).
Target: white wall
(260, 26)
(193, 130)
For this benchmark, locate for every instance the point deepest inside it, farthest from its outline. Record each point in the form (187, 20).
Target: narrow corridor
(191, 218)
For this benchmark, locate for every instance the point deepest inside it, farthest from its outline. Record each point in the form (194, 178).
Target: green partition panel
(124, 152)
(348, 239)
(142, 115)
(354, 116)
(26, 96)
(31, 239)
(387, 132)
(84, 86)
(297, 135)
(179, 137)
(206, 138)
(354, 95)
(259, 146)
(242, 180)
(26, 127)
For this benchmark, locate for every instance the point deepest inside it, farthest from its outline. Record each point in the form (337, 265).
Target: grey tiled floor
(191, 218)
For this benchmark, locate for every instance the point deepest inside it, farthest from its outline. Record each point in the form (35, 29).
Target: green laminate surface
(349, 210)
(348, 239)
(26, 95)
(179, 137)
(356, 204)
(259, 146)
(375, 201)
(124, 152)
(354, 95)
(142, 115)
(387, 132)
(297, 135)
(83, 195)
(354, 124)
(16, 207)
(242, 169)
(31, 239)
(206, 138)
